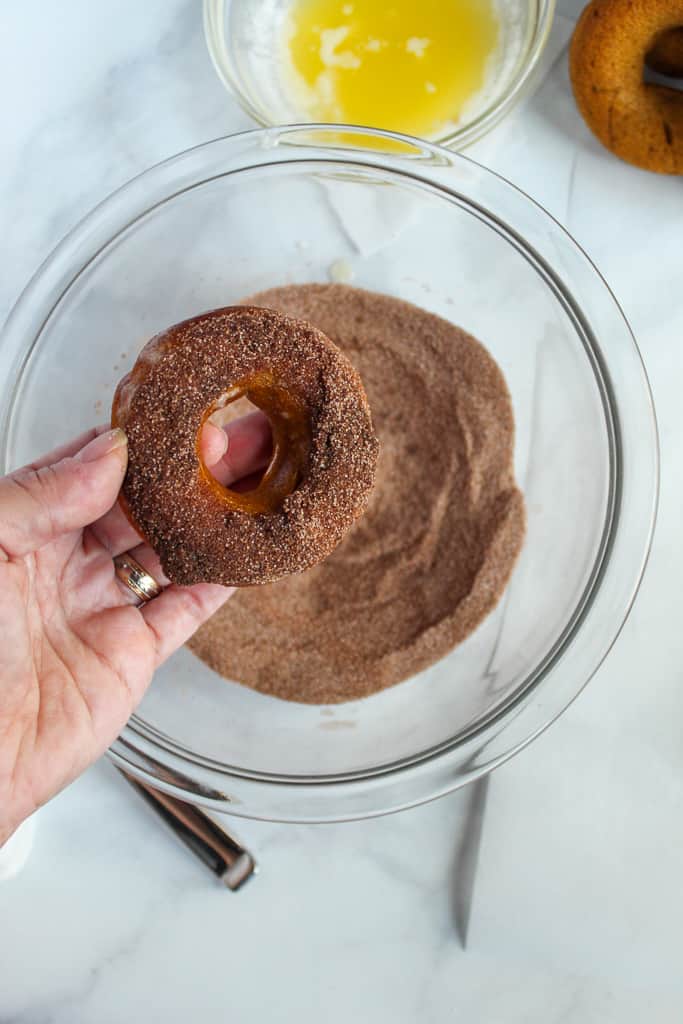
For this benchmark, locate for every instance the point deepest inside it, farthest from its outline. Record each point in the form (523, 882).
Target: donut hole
(267, 456)
(664, 60)
(251, 445)
(652, 77)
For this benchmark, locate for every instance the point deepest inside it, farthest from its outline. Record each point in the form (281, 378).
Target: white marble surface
(579, 899)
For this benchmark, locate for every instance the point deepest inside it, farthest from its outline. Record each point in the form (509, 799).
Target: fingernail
(103, 445)
(221, 442)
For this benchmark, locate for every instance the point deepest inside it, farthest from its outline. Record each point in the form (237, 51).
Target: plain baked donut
(640, 122)
(324, 447)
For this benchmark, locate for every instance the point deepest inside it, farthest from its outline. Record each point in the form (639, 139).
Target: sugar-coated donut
(324, 447)
(640, 122)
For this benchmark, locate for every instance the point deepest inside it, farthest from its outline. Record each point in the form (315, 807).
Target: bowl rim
(634, 494)
(213, 16)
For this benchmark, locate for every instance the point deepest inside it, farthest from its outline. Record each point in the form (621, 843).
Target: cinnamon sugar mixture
(445, 523)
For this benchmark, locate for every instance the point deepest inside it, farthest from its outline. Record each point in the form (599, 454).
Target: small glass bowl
(244, 38)
(419, 222)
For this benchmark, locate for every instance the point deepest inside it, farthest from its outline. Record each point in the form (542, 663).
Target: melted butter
(406, 65)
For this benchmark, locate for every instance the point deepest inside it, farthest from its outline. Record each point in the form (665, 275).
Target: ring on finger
(134, 576)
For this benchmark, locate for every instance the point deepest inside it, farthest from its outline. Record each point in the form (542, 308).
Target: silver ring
(136, 577)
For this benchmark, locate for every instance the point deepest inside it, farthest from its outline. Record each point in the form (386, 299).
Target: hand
(76, 654)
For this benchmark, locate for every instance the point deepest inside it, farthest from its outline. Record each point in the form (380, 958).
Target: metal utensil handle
(215, 847)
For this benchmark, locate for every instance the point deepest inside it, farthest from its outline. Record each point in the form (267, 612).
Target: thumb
(38, 505)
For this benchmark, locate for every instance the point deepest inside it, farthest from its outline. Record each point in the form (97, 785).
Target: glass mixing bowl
(419, 222)
(244, 38)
